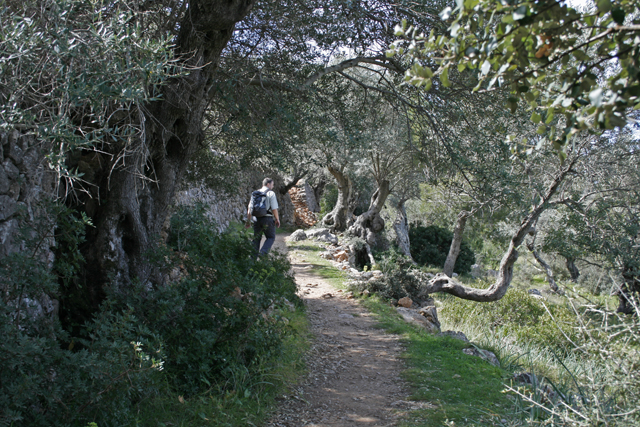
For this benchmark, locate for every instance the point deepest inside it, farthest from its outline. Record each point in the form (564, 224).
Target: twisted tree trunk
(337, 219)
(138, 187)
(547, 269)
(368, 224)
(442, 283)
(573, 270)
(454, 249)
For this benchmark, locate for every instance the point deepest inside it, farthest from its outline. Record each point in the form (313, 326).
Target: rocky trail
(353, 367)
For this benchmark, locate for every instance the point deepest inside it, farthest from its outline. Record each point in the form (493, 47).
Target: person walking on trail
(263, 211)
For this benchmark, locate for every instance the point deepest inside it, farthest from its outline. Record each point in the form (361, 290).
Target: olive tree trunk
(573, 269)
(337, 219)
(370, 223)
(547, 268)
(401, 227)
(454, 249)
(141, 177)
(443, 283)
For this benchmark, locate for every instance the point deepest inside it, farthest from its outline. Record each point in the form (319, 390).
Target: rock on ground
(297, 236)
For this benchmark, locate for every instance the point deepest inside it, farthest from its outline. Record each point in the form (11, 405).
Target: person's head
(267, 182)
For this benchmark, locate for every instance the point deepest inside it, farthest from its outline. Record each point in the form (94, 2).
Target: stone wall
(227, 207)
(24, 182)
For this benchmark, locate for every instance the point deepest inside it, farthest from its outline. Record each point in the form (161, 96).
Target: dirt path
(354, 368)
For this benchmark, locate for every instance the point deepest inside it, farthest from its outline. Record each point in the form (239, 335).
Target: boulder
(312, 233)
(483, 354)
(412, 316)
(535, 292)
(431, 314)
(297, 236)
(476, 271)
(322, 235)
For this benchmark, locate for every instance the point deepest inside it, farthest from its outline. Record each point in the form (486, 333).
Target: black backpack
(259, 200)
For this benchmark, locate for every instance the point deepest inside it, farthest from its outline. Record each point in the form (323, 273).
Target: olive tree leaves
(574, 70)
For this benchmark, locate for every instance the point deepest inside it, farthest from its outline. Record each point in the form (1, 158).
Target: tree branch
(443, 283)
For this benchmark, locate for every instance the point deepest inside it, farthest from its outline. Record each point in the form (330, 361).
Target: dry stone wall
(226, 207)
(24, 182)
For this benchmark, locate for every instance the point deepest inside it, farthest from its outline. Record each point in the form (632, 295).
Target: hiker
(263, 211)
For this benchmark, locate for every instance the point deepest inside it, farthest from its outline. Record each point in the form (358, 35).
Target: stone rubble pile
(303, 216)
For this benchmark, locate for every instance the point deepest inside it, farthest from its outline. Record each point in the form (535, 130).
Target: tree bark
(337, 219)
(368, 224)
(401, 227)
(318, 189)
(454, 249)
(139, 185)
(629, 293)
(573, 270)
(442, 283)
(547, 269)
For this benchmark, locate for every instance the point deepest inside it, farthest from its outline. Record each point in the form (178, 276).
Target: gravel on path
(353, 367)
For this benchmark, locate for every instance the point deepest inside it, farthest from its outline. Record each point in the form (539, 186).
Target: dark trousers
(266, 225)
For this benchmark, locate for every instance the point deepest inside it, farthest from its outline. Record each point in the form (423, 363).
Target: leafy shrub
(430, 246)
(398, 280)
(48, 378)
(220, 315)
(214, 319)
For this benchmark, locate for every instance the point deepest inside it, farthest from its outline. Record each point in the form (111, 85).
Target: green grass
(310, 251)
(248, 400)
(461, 389)
(465, 390)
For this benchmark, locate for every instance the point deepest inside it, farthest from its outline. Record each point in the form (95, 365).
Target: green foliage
(398, 280)
(69, 235)
(329, 199)
(71, 69)
(555, 58)
(223, 312)
(430, 246)
(223, 315)
(519, 314)
(48, 378)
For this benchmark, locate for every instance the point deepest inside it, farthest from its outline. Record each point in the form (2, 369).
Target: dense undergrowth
(216, 339)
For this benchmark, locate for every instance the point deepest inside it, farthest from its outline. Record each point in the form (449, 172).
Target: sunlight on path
(354, 368)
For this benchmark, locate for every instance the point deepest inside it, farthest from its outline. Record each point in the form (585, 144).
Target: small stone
(327, 296)
(525, 377)
(405, 302)
(12, 171)
(5, 184)
(349, 295)
(483, 354)
(8, 207)
(341, 256)
(454, 334)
